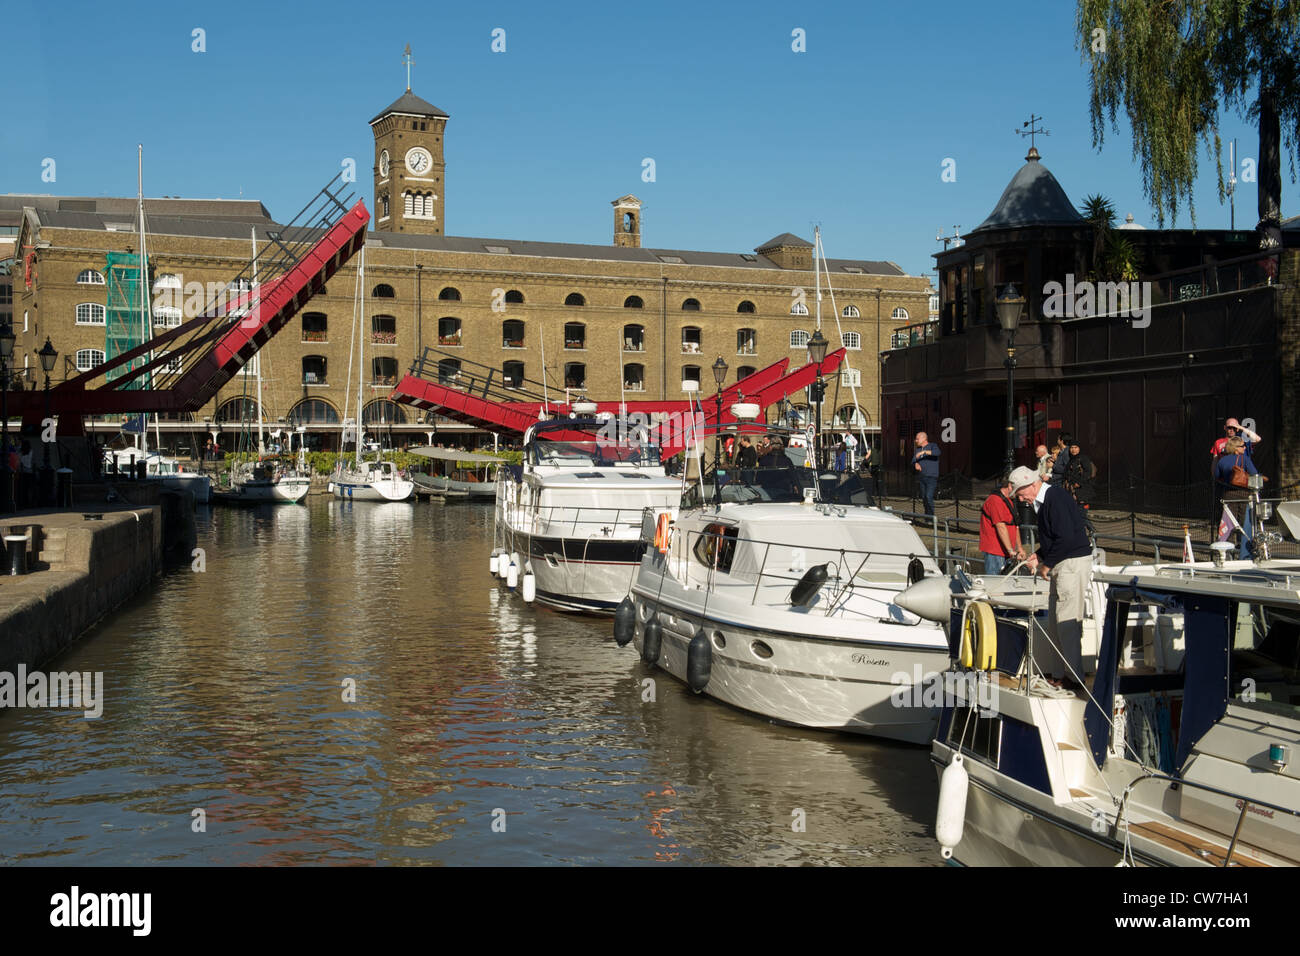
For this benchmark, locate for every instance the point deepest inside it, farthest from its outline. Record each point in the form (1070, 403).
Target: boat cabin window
(976, 734)
(716, 547)
(1265, 664)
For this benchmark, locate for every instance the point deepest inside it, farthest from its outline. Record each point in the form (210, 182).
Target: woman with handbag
(1232, 474)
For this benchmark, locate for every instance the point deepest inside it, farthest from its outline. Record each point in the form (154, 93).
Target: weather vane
(1031, 129)
(406, 58)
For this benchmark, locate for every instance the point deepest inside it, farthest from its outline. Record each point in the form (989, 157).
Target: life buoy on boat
(979, 637)
(663, 532)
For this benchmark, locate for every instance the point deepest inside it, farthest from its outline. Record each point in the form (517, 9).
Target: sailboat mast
(361, 353)
(144, 289)
(253, 295)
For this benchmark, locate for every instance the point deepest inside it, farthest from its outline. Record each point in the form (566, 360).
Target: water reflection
(226, 692)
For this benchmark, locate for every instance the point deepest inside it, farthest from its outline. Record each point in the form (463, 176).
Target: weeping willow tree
(1172, 65)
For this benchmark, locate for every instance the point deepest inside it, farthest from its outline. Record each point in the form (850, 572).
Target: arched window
(168, 281)
(383, 412)
(575, 375)
(634, 377)
(575, 335)
(89, 358)
(383, 370)
(512, 373)
(512, 334)
(744, 372)
(691, 305)
(514, 297)
(799, 339)
(633, 302)
(237, 410)
(851, 312)
(383, 291)
(313, 370)
(89, 277)
(449, 331)
(575, 298)
(449, 294)
(798, 309)
(312, 411)
(408, 204)
(849, 416)
(690, 373)
(315, 327)
(899, 314)
(90, 313)
(383, 329)
(384, 202)
(852, 340)
(633, 338)
(746, 342)
(448, 371)
(692, 339)
(746, 307)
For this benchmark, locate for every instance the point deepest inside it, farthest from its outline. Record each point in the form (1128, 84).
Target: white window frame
(799, 339)
(851, 312)
(851, 377)
(852, 341)
(91, 307)
(90, 361)
(90, 277)
(168, 280)
(798, 309)
(167, 317)
(897, 317)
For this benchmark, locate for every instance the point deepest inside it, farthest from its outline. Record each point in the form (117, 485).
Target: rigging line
(847, 364)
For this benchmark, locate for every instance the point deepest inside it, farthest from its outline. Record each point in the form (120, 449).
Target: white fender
(951, 819)
(492, 562)
(503, 562)
(530, 583)
(512, 575)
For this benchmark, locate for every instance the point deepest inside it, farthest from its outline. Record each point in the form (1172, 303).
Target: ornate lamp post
(719, 377)
(817, 353)
(1010, 307)
(48, 355)
(7, 338)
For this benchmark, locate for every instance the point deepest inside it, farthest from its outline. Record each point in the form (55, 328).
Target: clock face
(418, 160)
(384, 164)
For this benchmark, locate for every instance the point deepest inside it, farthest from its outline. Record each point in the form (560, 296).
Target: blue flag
(133, 425)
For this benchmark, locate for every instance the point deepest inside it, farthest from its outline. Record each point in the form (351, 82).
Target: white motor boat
(167, 471)
(1180, 751)
(571, 514)
(371, 481)
(779, 599)
(259, 483)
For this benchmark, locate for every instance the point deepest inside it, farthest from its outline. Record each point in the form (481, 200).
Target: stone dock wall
(85, 569)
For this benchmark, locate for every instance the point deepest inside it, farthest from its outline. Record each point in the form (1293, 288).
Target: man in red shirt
(999, 536)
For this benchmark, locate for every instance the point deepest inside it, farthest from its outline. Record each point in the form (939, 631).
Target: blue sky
(749, 138)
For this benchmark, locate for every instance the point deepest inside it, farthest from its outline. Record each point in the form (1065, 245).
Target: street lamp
(48, 355)
(817, 353)
(719, 376)
(7, 338)
(1010, 306)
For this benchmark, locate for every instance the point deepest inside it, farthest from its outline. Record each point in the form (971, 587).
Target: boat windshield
(779, 484)
(1266, 659)
(590, 453)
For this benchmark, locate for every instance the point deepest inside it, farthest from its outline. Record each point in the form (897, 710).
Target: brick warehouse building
(609, 318)
(1146, 402)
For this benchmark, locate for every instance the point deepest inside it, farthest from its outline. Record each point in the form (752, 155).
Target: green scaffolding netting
(124, 329)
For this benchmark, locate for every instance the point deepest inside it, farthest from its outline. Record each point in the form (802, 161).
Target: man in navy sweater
(1065, 556)
(926, 463)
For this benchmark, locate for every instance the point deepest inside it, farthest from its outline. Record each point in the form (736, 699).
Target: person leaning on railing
(1232, 471)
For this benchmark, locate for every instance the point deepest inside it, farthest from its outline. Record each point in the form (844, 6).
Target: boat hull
(589, 576)
(824, 683)
(284, 491)
(371, 491)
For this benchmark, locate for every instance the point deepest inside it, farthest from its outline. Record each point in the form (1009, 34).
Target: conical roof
(1032, 198)
(408, 102)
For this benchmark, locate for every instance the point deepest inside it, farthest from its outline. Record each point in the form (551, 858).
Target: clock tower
(410, 175)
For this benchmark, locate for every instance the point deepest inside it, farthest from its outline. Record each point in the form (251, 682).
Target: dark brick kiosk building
(1146, 395)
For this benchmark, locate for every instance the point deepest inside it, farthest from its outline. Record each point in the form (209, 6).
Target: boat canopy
(878, 549)
(453, 454)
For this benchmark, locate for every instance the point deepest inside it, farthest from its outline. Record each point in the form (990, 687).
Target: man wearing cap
(1064, 556)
